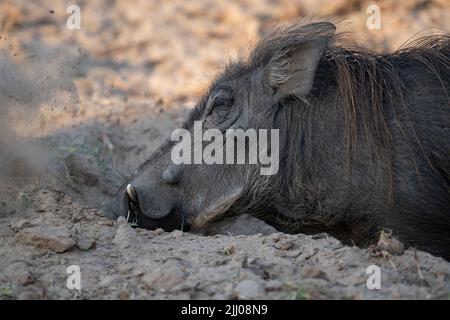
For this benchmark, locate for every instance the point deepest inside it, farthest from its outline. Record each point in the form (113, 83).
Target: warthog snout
(144, 211)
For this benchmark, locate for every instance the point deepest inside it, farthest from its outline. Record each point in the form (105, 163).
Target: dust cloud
(35, 80)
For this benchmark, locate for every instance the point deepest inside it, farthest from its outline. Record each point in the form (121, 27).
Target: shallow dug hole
(52, 221)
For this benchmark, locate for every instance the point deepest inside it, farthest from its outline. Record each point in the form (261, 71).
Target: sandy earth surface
(81, 109)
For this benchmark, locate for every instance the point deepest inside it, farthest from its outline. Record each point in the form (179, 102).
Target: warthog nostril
(172, 174)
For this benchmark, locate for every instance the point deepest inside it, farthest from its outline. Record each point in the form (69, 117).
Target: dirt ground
(81, 109)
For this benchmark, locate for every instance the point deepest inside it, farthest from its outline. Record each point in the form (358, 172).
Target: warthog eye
(220, 110)
(222, 101)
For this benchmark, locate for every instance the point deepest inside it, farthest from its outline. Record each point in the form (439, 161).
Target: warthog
(364, 143)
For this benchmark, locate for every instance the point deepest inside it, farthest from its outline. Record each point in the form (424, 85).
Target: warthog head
(247, 95)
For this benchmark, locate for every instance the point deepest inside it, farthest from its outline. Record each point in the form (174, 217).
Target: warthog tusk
(131, 192)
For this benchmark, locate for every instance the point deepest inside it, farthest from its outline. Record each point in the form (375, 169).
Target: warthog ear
(293, 65)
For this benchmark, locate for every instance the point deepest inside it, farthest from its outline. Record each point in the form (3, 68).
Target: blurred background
(171, 48)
